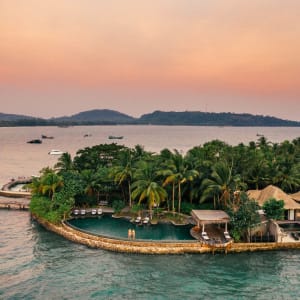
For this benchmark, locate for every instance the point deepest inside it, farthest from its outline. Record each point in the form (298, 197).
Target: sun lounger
(76, 212)
(146, 220)
(99, 211)
(205, 236)
(82, 211)
(295, 236)
(138, 220)
(94, 211)
(226, 235)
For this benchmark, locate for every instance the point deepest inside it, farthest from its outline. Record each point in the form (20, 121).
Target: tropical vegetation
(213, 175)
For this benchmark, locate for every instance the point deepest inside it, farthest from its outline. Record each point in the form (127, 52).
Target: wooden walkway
(10, 203)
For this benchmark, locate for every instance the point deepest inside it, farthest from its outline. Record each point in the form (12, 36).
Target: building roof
(296, 196)
(210, 216)
(271, 191)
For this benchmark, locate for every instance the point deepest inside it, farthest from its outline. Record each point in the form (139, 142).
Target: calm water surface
(37, 264)
(118, 228)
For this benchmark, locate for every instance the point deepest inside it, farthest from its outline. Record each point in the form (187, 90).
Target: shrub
(118, 205)
(274, 209)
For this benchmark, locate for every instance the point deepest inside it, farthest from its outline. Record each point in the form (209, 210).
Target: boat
(47, 137)
(115, 137)
(35, 141)
(56, 152)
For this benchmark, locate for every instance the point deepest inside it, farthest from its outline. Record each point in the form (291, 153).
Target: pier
(10, 203)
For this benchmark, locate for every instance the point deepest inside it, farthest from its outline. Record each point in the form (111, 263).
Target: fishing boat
(115, 137)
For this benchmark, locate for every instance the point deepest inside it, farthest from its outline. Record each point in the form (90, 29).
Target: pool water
(118, 228)
(290, 226)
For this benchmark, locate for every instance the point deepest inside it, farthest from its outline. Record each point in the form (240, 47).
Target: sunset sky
(60, 57)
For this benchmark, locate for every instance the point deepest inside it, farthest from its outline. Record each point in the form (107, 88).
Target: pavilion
(203, 217)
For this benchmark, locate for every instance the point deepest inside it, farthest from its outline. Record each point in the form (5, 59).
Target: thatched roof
(210, 216)
(296, 196)
(272, 191)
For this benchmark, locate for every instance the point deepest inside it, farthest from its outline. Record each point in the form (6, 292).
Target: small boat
(35, 141)
(115, 137)
(56, 152)
(47, 137)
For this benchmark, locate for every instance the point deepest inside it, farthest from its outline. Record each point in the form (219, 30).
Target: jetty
(10, 203)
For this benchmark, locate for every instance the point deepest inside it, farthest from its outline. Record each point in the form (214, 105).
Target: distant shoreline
(166, 118)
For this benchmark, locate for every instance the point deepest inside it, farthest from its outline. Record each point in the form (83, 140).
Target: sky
(61, 57)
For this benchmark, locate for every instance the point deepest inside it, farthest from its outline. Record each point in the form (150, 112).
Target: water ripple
(37, 264)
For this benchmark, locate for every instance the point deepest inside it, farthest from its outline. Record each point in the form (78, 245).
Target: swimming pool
(290, 226)
(118, 228)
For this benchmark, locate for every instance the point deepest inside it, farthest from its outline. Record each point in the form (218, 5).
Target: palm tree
(123, 171)
(64, 163)
(221, 184)
(145, 186)
(177, 174)
(50, 183)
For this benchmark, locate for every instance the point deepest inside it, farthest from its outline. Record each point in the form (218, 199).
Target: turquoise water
(118, 227)
(37, 264)
(290, 226)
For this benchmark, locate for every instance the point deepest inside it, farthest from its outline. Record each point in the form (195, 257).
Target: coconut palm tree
(64, 163)
(146, 186)
(178, 174)
(51, 182)
(123, 171)
(220, 185)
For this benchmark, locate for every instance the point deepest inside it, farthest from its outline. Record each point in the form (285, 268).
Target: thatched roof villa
(292, 208)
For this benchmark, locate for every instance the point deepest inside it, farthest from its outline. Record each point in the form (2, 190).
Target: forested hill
(98, 116)
(198, 118)
(111, 117)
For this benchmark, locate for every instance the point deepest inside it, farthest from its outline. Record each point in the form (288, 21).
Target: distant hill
(212, 119)
(111, 117)
(13, 117)
(20, 120)
(97, 116)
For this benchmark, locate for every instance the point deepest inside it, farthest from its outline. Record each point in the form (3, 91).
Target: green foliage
(243, 217)
(274, 209)
(186, 207)
(210, 173)
(136, 208)
(118, 205)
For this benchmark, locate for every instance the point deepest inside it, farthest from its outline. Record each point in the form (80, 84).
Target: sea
(38, 264)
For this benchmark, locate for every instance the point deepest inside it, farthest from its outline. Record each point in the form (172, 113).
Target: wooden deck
(10, 203)
(216, 237)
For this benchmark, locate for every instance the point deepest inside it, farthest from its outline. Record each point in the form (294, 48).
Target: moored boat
(115, 137)
(56, 152)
